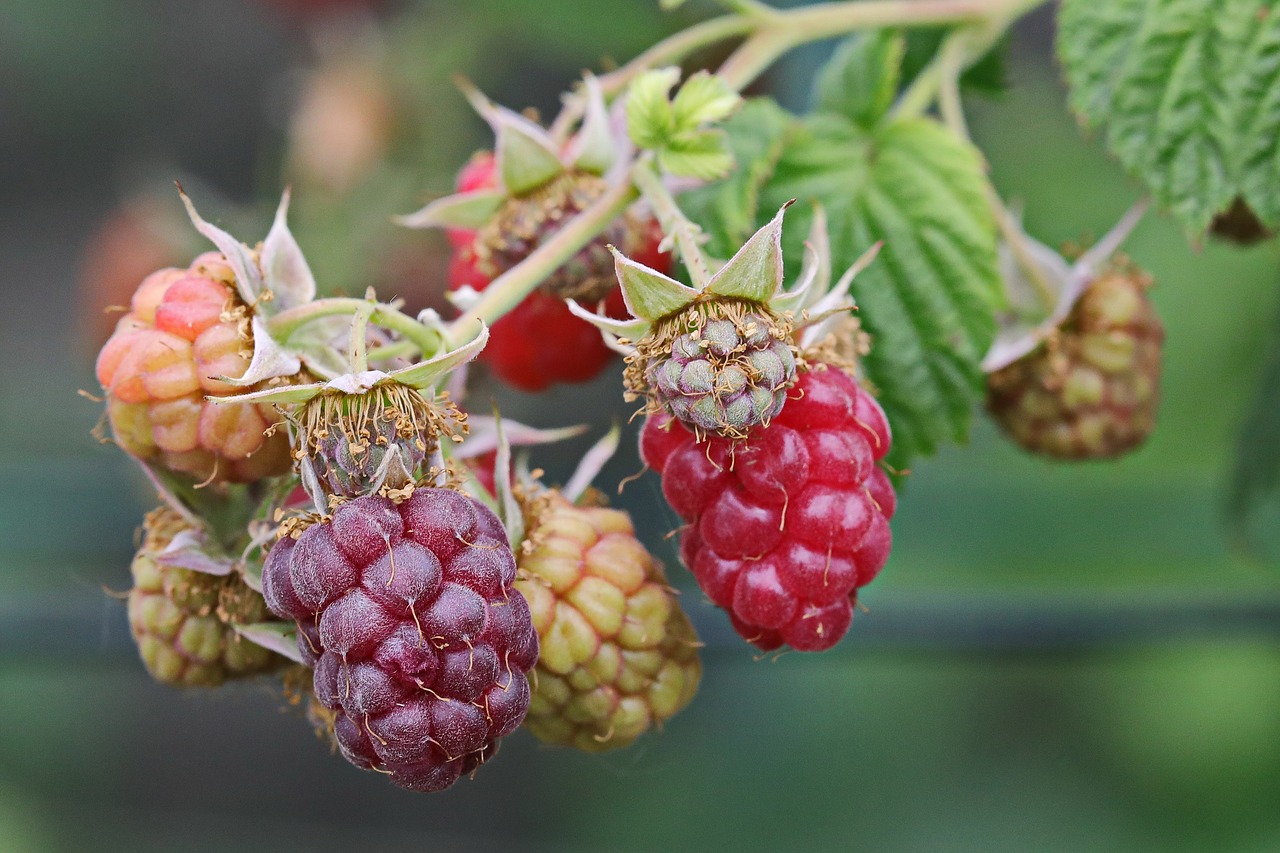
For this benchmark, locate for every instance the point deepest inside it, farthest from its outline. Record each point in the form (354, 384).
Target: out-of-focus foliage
(1255, 486)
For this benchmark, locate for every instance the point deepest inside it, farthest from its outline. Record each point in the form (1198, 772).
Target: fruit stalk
(285, 324)
(674, 223)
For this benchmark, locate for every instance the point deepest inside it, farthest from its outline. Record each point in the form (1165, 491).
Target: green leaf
(461, 210)
(1253, 501)
(676, 130)
(929, 299)
(1188, 92)
(989, 75)
(861, 78)
(650, 119)
(278, 637)
(728, 210)
(703, 155)
(703, 99)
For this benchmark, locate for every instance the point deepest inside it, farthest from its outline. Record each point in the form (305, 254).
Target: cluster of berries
(326, 503)
(318, 516)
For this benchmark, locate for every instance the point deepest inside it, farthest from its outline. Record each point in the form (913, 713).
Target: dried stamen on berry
(719, 366)
(347, 436)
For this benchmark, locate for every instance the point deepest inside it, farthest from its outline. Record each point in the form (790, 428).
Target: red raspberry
(184, 328)
(478, 174)
(786, 525)
(540, 342)
(420, 643)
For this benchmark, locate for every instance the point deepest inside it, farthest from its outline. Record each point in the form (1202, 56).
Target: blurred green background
(1058, 658)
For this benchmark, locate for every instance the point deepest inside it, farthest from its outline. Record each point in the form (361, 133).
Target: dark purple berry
(420, 643)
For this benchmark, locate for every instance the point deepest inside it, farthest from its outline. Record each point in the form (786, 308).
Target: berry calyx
(1091, 390)
(540, 342)
(511, 201)
(720, 356)
(347, 437)
(618, 656)
(420, 643)
(785, 526)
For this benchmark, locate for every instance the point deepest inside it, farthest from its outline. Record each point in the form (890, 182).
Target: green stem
(358, 353)
(506, 291)
(286, 324)
(777, 34)
(749, 8)
(677, 47)
(770, 33)
(674, 223)
(400, 349)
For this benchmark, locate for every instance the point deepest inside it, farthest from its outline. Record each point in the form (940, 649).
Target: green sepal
(512, 517)
(426, 373)
(755, 271)
(249, 282)
(526, 154)
(815, 269)
(278, 637)
(190, 549)
(461, 210)
(648, 293)
(592, 462)
(283, 396)
(284, 268)
(630, 329)
(482, 435)
(593, 145)
(269, 361)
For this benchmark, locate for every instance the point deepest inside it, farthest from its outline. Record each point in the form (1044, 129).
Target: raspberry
(618, 653)
(1090, 392)
(185, 328)
(785, 526)
(182, 620)
(419, 642)
(723, 375)
(479, 173)
(540, 342)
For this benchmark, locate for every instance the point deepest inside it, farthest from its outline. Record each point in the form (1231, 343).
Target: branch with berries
(334, 515)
